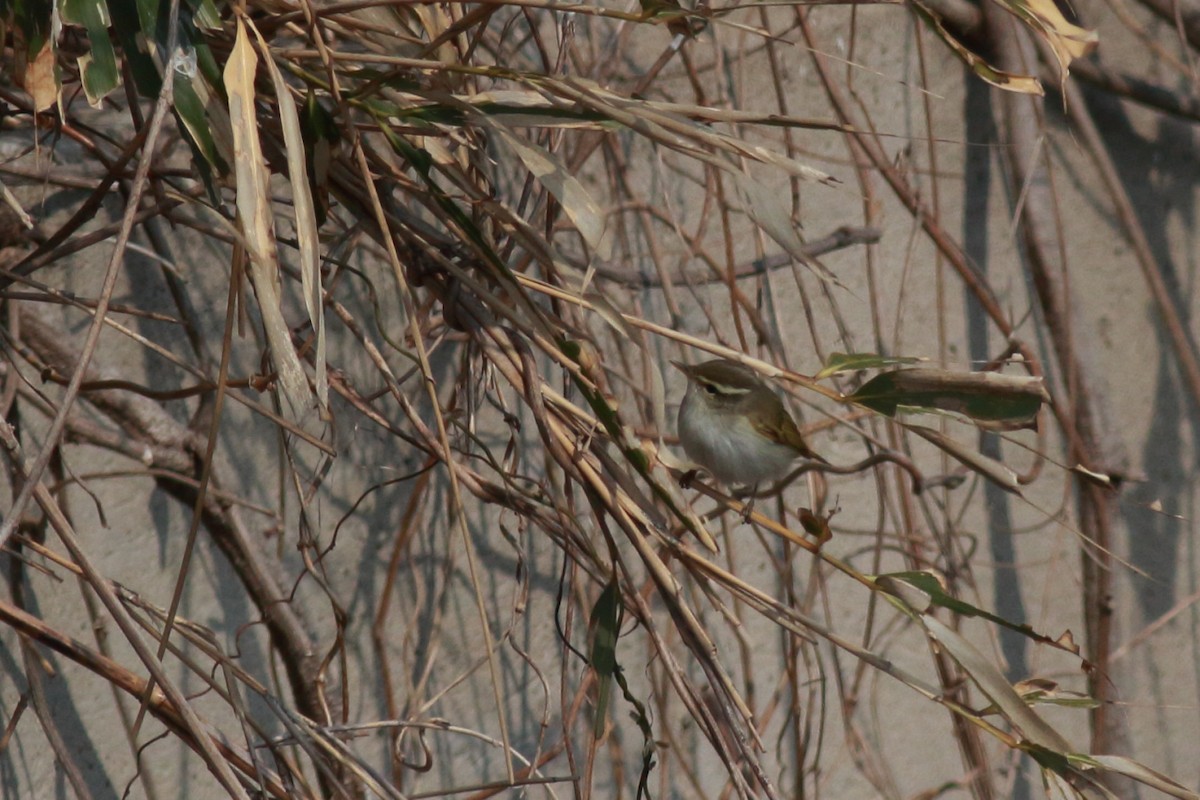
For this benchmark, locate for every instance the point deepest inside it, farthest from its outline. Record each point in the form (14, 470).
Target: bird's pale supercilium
(733, 424)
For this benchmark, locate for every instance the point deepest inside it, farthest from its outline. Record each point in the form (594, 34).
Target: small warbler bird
(735, 426)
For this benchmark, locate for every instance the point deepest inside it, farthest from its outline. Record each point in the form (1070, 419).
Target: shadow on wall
(1159, 193)
(1006, 591)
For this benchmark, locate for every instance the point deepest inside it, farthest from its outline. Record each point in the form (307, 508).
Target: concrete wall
(381, 578)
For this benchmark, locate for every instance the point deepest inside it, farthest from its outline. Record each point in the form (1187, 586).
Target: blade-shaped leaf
(256, 221)
(923, 590)
(992, 683)
(1043, 691)
(989, 468)
(321, 136)
(1062, 784)
(585, 214)
(98, 69)
(1138, 772)
(140, 27)
(991, 400)
(306, 217)
(605, 626)
(207, 16)
(772, 213)
(852, 362)
(205, 119)
(41, 79)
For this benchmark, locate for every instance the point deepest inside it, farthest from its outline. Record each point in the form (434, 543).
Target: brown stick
(162, 708)
(172, 446)
(1091, 443)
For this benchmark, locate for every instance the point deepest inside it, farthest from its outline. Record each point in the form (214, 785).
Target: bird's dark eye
(708, 387)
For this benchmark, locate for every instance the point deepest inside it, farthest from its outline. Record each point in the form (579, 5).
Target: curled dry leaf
(41, 78)
(1068, 41)
(1009, 81)
(306, 217)
(1098, 478)
(816, 525)
(989, 399)
(256, 221)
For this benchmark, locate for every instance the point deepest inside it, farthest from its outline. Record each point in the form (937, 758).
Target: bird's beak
(682, 367)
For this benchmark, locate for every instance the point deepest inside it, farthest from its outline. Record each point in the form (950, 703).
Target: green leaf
(319, 130)
(852, 362)
(130, 33)
(637, 456)
(991, 400)
(605, 626)
(98, 69)
(548, 113)
(33, 18)
(206, 15)
(423, 163)
(1063, 778)
(571, 349)
(190, 110)
(604, 412)
(930, 592)
(1043, 691)
(198, 105)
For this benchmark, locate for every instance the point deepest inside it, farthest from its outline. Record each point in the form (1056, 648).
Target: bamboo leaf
(606, 626)
(922, 590)
(609, 313)
(1043, 691)
(306, 218)
(838, 363)
(1009, 81)
(321, 137)
(771, 214)
(141, 31)
(991, 400)
(1068, 41)
(256, 221)
(34, 46)
(207, 16)
(42, 78)
(1138, 772)
(97, 69)
(993, 684)
(989, 468)
(585, 214)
